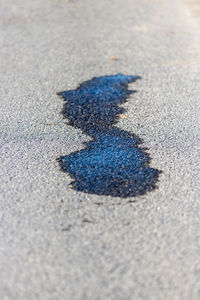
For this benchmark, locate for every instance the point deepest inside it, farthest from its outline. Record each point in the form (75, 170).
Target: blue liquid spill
(112, 163)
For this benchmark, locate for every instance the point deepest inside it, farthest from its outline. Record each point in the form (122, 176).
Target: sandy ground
(57, 243)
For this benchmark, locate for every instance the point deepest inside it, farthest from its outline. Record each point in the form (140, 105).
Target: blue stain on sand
(112, 163)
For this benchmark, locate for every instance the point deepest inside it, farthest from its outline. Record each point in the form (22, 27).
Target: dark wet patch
(112, 163)
(68, 228)
(88, 221)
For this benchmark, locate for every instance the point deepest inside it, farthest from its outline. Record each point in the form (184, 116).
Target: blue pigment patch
(112, 163)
